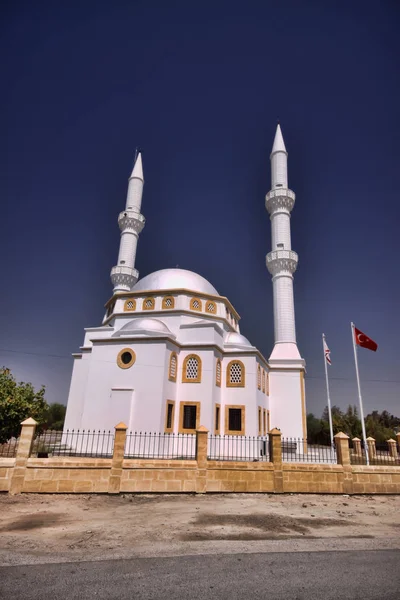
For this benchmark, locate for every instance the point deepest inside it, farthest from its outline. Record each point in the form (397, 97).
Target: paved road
(365, 575)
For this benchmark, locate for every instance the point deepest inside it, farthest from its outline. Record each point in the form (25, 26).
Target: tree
(18, 401)
(55, 416)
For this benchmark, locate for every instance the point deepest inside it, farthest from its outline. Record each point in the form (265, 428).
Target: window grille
(259, 377)
(173, 363)
(195, 304)
(235, 373)
(130, 304)
(235, 419)
(263, 381)
(168, 302)
(148, 303)
(218, 373)
(192, 368)
(211, 307)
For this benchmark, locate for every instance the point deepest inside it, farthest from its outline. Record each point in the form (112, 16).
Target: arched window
(218, 370)
(148, 304)
(195, 304)
(259, 377)
(263, 381)
(235, 374)
(211, 307)
(267, 383)
(130, 304)
(173, 366)
(168, 302)
(191, 371)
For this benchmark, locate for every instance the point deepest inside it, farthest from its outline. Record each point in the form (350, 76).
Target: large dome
(170, 279)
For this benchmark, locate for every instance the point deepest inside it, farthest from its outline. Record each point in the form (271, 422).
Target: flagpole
(327, 390)
(359, 393)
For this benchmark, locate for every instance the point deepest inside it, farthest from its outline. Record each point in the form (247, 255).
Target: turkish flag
(364, 341)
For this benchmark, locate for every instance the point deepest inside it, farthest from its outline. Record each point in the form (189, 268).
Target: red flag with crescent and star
(364, 341)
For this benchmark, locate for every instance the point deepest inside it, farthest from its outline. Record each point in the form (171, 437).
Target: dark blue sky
(199, 87)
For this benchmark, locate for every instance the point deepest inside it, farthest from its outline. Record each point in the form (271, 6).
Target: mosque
(169, 355)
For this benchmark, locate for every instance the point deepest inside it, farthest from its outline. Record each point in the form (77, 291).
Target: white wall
(285, 402)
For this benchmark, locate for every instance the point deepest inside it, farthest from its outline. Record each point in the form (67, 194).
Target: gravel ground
(40, 528)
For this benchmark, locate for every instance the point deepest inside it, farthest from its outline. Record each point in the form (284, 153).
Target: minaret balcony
(281, 199)
(281, 261)
(131, 220)
(124, 277)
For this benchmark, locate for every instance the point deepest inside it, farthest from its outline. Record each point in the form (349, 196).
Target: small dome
(148, 326)
(236, 339)
(170, 279)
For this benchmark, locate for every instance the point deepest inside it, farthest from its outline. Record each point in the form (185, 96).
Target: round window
(126, 358)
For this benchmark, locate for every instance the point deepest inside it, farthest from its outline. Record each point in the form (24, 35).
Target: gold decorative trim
(263, 381)
(241, 383)
(211, 307)
(259, 420)
(259, 377)
(218, 373)
(184, 377)
(181, 429)
(166, 428)
(123, 365)
(171, 376)
(217, 422)
(267, 383)
(129, 301)
(193, 302)
(243, 409)
(151, 303)
(164, 302)
(223, 299)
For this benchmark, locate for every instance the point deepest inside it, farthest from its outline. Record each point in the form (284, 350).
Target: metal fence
(381, 454)
(299, 450)
(9, 449)
(238, 447)
(160, 445)
(82, 443)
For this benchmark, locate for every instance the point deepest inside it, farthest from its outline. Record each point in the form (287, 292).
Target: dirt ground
(55, 528)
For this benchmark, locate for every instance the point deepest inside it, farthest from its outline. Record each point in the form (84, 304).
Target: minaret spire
(281, 261)
(131, 222)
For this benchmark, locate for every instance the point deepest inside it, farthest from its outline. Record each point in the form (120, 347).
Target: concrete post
(23, 451)
(357, 447)
(392, 448)
(371, 448)
(275, 449)
(201, 458)
(343, 458)
(114, 484)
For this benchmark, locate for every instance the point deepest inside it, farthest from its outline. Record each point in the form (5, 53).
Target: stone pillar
(343, 458)
(392, 448)
(371, 448)
(114, 483)
(23, 451)
(275, 450)
(201, 458)
(357, 447)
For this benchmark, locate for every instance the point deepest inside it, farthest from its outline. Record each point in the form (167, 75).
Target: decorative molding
(195, 304)
(121, 363)
(185, 367)
(131, 220)
(181, 429)
(238, 367)
(243, 419)
(124, 277)
(168, 302)
(279, 261)
(173, 372)
(281, 199)
(130, 304)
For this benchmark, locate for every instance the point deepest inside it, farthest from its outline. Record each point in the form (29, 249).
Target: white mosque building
(169, 355)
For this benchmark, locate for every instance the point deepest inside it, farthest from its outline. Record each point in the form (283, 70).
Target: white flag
(327, 352)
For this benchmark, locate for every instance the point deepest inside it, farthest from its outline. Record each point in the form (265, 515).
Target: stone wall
(115, 475)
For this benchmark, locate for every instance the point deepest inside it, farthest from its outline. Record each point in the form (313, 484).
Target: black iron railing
(82, 443)
(160, 445)
(9, 449)
(238, 447)
(299, 450)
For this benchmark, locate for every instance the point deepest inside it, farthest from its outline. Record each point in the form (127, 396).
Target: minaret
(282, 261)
(131, 222)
